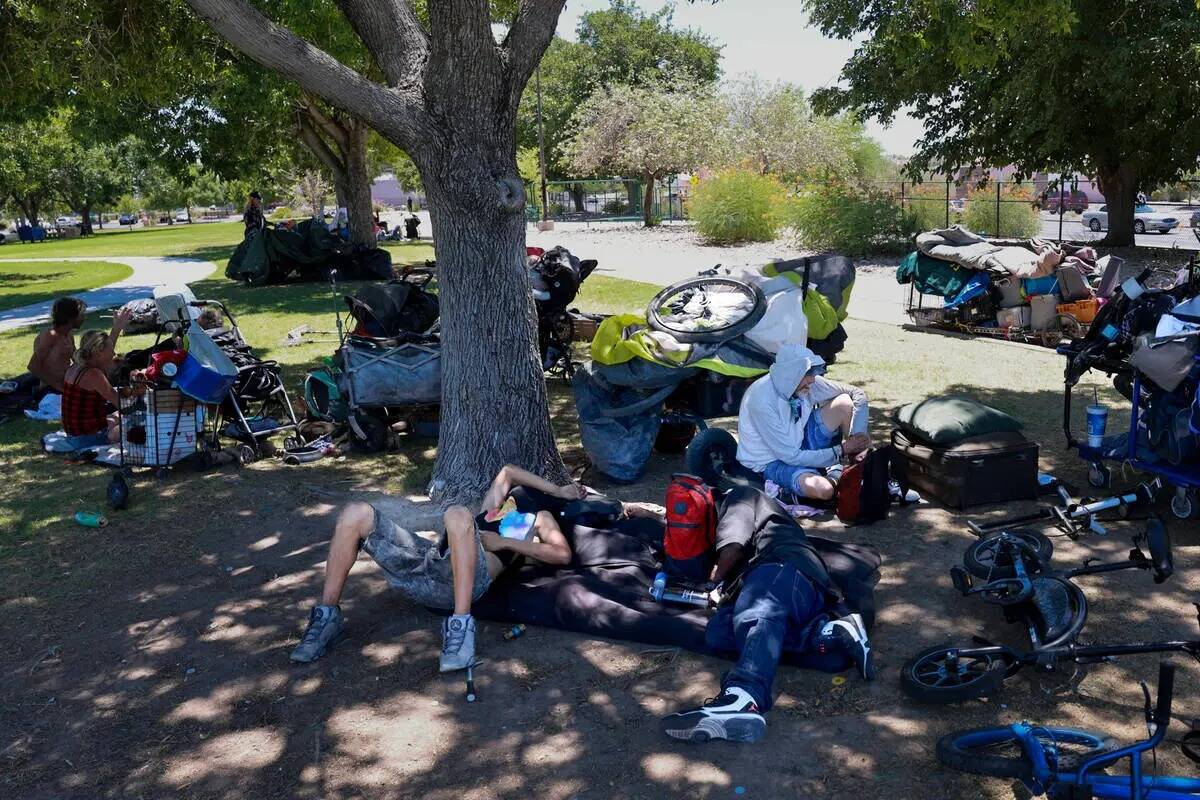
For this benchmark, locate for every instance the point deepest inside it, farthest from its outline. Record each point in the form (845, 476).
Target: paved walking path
(148, 273)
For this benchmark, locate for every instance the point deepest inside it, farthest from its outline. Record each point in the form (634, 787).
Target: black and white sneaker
(733, 716)
(851, 634)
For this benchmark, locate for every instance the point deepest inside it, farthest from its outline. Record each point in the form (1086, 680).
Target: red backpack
(863, 492)
(691, 527)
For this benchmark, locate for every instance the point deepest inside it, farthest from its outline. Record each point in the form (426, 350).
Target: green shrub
(927, 204)
(837, 218)
(616, 207)
(281, 213)
(738, 206)
(1018, 218)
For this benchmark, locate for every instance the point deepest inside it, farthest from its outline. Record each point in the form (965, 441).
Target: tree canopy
(1103, 87)
(645, 131)
(619, 45)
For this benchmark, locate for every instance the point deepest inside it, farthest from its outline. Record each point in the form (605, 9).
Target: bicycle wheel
(706, 309)
(999, 753)
(941, 675)
(985, 559)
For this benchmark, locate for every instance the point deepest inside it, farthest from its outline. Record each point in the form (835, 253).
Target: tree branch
(333, 129)
(313, 141)
(527, 40)
(392, 34)
(397, 114)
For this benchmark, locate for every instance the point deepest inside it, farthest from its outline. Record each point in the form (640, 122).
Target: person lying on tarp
(776, 594)
(796, 427)
(517, 520)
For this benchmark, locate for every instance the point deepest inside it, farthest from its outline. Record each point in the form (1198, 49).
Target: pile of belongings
(1030, 284)
(309, 250)
(637, 369)
(1154, 332)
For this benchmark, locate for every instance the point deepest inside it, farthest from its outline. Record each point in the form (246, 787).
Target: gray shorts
(418, 567)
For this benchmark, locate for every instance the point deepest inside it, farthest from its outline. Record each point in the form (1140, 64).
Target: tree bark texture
(449, 99)
(648, 200)
(341, 146)
(1119, 185)
(85, 222)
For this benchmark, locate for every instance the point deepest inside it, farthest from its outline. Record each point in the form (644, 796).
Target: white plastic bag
(783, 323)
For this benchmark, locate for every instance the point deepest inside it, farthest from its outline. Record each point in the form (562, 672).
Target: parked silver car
(1145, 219)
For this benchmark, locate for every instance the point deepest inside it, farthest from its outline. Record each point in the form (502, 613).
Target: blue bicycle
(1067, 763)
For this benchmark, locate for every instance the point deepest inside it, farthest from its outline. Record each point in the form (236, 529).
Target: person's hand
(571, 491)
(856, 444)
(491, 541)
(122, 318)
(715, 596)
(647, 510)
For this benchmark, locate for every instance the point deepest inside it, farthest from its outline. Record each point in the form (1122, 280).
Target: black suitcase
(994, 468)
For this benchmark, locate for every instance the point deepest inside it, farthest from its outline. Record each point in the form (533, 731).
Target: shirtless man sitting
(54, 347)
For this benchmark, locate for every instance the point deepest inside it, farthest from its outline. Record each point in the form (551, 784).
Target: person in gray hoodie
(796, 427)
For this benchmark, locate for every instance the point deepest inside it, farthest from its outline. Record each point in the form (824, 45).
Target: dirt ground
(152, 662)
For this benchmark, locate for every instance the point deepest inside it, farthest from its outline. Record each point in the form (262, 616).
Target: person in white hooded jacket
(796, 427)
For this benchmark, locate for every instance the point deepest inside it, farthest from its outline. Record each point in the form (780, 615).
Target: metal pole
(541, 142)
(947, 201)
(1061, 207)
(997, 234)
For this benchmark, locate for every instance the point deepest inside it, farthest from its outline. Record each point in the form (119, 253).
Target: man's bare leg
(458, 630)
(837, 415)
(464, 556)
(353, 525)
(325, 623)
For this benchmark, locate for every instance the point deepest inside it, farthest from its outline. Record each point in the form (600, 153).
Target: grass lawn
(25, 282)
(265, 315)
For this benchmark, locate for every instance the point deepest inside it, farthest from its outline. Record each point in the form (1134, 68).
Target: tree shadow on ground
(164, 671)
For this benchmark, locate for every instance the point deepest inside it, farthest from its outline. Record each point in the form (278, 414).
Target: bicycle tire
(980, 677)
(974, 751)
(708, 453)
(981, 565)
(657, 322)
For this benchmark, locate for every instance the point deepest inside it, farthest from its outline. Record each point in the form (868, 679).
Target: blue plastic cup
(1097, 421)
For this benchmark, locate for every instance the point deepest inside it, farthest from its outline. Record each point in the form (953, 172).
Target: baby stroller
(556, 276)
(253, 404)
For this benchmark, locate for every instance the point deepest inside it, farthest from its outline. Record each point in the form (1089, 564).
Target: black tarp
(605, 590)
(309, 250)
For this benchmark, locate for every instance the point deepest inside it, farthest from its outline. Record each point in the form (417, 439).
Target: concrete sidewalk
(148, 272)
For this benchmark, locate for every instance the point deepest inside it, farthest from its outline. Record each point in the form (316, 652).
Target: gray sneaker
(325, 625)
(458, 643)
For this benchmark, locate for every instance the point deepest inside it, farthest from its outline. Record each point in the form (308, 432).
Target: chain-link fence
(611, 200)
(1070, 208)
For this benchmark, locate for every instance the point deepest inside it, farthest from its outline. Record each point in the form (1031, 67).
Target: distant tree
(618, 45)
(91, 178)
(31, 152)
(1101, 87)
(645, 131)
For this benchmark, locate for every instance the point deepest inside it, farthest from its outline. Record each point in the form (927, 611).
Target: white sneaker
(851, 633)
(458, 643)
(733, 716)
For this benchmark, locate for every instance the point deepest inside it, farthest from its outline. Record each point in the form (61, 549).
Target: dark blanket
(605, 590)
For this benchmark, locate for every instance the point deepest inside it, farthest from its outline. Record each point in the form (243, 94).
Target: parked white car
(1145, 219)
(181, 216)
(8, 234)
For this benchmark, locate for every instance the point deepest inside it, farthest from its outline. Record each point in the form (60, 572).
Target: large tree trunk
(448, 96)
(358, 188)
(648, 201)
(577, 197)
(85, 223)
(494, 409)
(1119, 185)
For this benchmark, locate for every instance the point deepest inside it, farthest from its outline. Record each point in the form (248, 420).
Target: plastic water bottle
(658, 587)
(514, 632)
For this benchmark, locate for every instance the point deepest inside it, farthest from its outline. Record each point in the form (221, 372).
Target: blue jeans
(777, 609)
